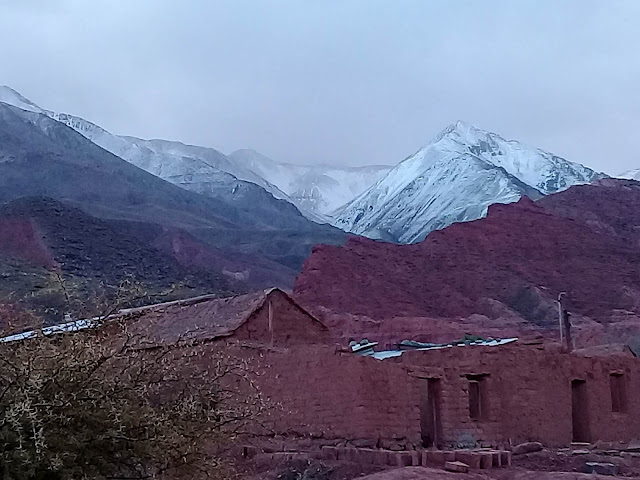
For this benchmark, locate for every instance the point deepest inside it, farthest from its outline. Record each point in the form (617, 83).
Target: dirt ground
(543, 465)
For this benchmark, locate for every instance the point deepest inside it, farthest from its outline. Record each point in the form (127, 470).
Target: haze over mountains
(317, 189)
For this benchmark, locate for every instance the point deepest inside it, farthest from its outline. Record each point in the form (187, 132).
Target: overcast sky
(337, 81)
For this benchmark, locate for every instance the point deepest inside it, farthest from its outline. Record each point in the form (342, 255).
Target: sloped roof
(201, 318)
(198, 318)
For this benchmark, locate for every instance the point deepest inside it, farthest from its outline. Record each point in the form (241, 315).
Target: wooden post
(567, 330)
(271, 322)
(561, 318)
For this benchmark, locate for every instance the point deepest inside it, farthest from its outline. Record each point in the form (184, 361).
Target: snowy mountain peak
(459, 132)
(9, 96)
(455, 178)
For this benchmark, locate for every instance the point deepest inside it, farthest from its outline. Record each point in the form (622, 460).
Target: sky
(345, 82)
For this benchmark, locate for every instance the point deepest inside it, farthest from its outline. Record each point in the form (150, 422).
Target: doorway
(430, 424)
(580, 411)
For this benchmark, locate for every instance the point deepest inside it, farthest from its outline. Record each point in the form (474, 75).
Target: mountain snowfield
(631, 174)
(318, 189)
(315, 190)
(454, 179)
(200, 169)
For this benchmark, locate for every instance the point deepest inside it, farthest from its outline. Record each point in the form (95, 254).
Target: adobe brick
(486, 460)
(433, 457)
(470, 458)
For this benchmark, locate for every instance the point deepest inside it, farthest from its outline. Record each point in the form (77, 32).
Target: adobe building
(492, 394)
(270, 317)
(505, 395)
(459, 397)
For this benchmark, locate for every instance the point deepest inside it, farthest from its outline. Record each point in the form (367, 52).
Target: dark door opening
(430, 424)
(580, 411)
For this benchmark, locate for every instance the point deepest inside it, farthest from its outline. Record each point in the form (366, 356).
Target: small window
(474, 399)
(618, 393)
(478, 406)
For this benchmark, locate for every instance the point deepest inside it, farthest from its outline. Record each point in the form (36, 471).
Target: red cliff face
(512, 264)
(21, 239)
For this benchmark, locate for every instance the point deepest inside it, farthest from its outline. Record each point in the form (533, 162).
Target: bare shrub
(93, 404)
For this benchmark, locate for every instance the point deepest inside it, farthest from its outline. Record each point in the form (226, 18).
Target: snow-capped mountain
(316, 189)
(453, 179)
(631, 174)
(207, 156)
(200, 169)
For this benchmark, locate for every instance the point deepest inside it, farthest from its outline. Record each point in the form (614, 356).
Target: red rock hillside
(502, 271)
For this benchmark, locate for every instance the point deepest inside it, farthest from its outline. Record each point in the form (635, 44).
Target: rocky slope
(318, 190)
(504, 270)
(454, 179)
(41, 238)
(40, 156)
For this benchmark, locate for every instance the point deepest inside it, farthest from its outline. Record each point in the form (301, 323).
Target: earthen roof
(200, 318)
(206, 317)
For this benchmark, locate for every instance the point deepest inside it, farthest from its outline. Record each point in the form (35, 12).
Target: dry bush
(91, 404)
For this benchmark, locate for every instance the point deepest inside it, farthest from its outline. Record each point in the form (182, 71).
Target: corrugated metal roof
(409, 345)
(63, 327)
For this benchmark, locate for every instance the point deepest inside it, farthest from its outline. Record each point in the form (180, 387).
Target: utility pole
(561, 317)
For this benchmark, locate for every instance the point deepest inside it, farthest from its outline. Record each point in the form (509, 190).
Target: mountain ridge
(203, 170)
(633, 174)
(40, 156)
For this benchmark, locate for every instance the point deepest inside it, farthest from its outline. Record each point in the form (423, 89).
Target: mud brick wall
(528, 394)
(327, 394)
(290, 325)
